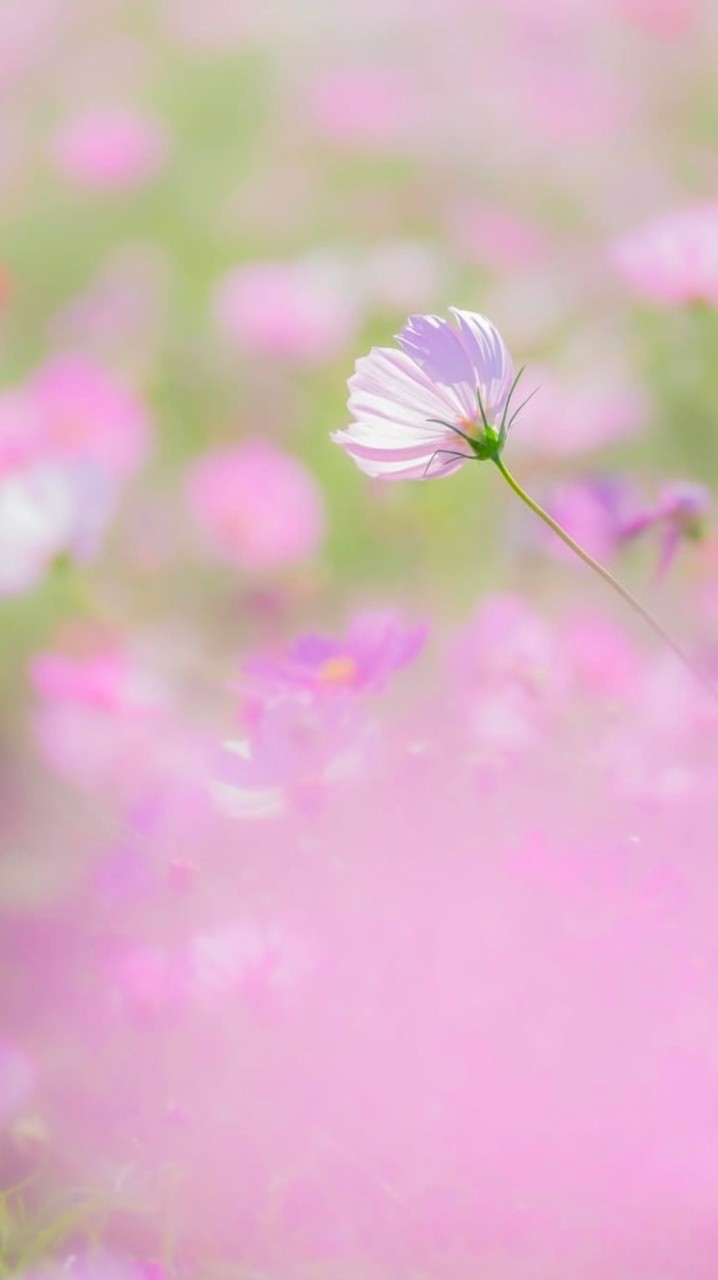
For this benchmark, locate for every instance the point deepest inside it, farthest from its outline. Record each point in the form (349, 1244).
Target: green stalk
(608, 577)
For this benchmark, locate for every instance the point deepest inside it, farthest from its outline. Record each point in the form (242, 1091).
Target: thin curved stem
(608, 577)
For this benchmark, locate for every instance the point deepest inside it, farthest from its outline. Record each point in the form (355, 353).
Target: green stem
(598, 568)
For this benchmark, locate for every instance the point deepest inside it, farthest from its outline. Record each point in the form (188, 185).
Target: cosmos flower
(258, 507)
(378, 643)
(443, 399)
(673, 260)
(440, 400)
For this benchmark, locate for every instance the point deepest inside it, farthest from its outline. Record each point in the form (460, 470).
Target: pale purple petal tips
(416, 410)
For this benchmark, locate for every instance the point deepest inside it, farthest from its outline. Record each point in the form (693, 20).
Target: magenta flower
(378, 643)
(440, 400)
(680, 514)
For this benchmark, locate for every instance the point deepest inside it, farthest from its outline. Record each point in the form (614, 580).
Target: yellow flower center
(341, 670)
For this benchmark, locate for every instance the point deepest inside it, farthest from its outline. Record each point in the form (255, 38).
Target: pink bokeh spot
(297, 310)
(258, 507)
(673, 259)
(85, 411)
(110, 149)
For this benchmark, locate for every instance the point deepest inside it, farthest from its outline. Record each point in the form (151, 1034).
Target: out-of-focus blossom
(365, 107)
(299, 310)
(604, 513)
(259, 507)
(85, 412)
(378, 643)
(594, 511)
(438, 401)
(49, 510)
(110, 149)
(672, 260)
(568, 420)
(679, 514)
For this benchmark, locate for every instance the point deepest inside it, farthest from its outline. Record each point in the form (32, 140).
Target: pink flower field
(358, 640)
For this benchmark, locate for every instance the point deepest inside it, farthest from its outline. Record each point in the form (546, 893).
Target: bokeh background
(208, 210)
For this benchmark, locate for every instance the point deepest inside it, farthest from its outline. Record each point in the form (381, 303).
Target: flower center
(338, 671)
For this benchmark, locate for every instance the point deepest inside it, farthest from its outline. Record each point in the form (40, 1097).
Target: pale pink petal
(490, 360)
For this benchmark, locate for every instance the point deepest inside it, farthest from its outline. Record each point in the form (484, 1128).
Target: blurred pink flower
(85, 412)
(680, 514)
(110, 149)
(428, 408)
(378, 643)
(357, 107)
(594, 511)
(299, 310)
(567, 420)
(672, 260)
(49, 510)
(259, 507)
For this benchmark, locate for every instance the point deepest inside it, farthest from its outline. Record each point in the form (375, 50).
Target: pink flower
(85, 412)
(593, 511)
(566, 420)
(49, 510)
(296, 310)
(260, 508)
(680, 514)
(110, 149)
(378, 643)
(437, 402)
(674, 259)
